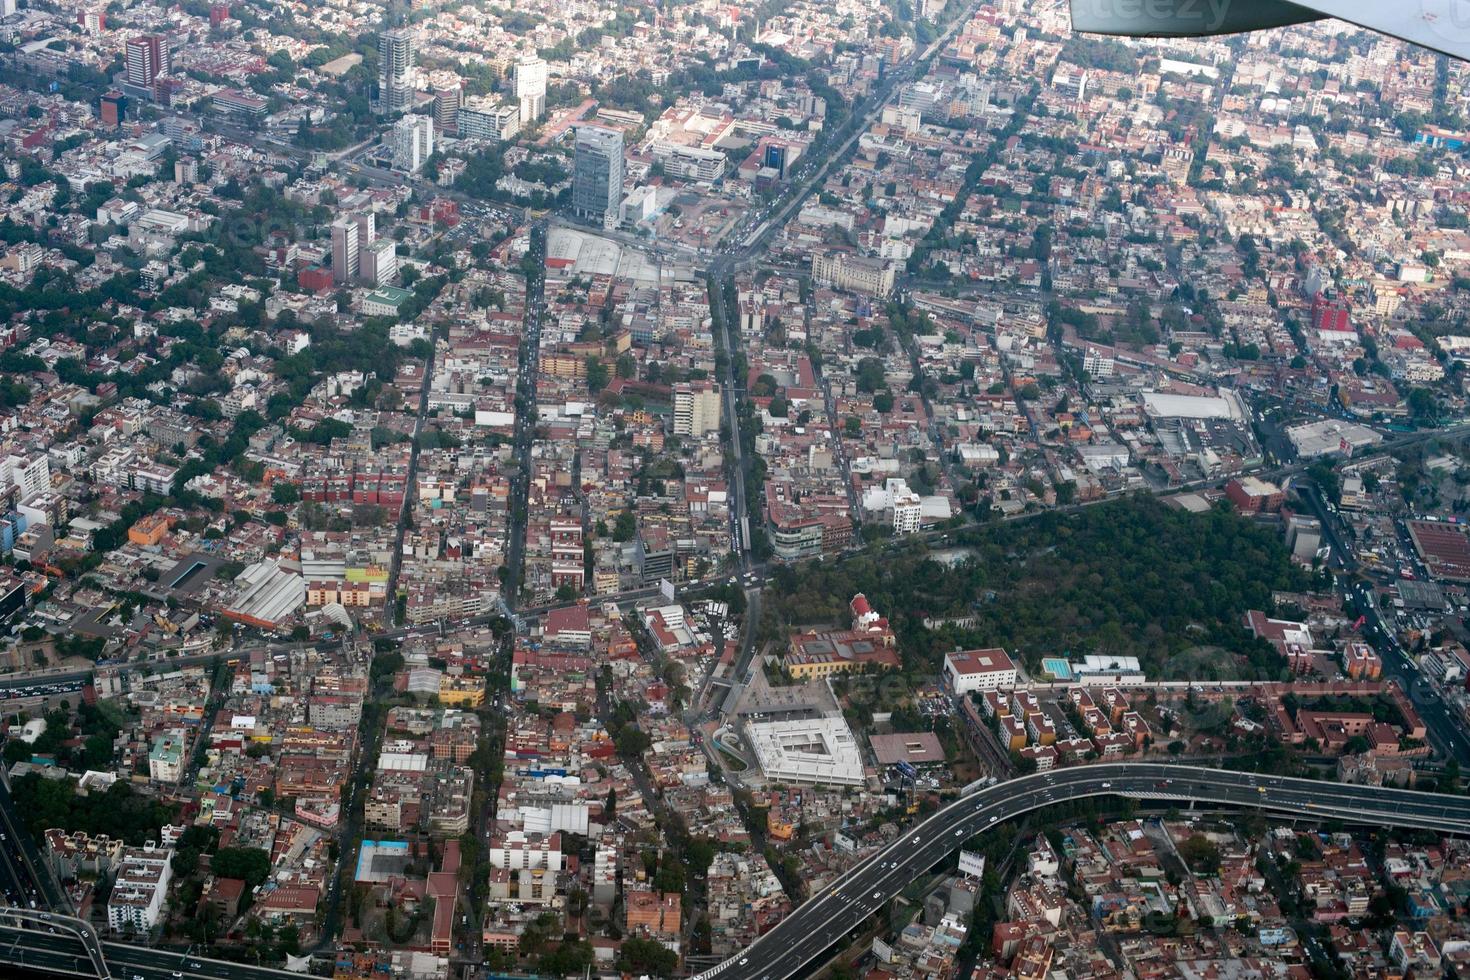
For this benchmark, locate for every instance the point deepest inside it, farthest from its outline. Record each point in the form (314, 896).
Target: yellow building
(838, 652)
(460, 692)
(777, 828)
(560, 365)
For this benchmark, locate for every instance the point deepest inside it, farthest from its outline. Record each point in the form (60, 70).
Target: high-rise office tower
(446, 108)
(395, 70)
(378, 262)
(530, 79)
(413, 142)
(597, 175)
(696, 408)
(146, 59)
(367, 228)
(344, 250)
(111, 108)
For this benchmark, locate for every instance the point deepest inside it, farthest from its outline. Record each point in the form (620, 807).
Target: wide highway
(826, 918)
(62, 953)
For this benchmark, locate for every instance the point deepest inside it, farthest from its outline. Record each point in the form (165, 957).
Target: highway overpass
(67, 947)
(829, 916)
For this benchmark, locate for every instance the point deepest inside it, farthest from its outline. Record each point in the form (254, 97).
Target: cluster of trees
(482, 171)
(194, 841)
(119, 812)
(366, 349)
(1130, 577)
(625, 526)
(250, 864)
(1103, 53)
(646, 956)
(631, 740)
(542, 170)
(556, 955)
(94, 753)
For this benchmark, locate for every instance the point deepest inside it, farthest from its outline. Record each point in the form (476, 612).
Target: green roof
(166, 749)
(390, 295)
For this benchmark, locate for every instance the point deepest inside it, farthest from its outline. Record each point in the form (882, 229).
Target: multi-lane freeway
(62, 952)
(826, 918)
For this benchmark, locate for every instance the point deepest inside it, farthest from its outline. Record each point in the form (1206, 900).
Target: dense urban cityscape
(848, 489)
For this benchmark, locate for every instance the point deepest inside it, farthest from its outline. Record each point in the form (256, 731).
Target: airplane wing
(1440, 25)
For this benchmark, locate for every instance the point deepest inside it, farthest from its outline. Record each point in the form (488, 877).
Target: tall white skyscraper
(344, 249)
(530, 79)
(413, 143)
(378, 262)
(146, 57)
(597, 175)
(395, 70)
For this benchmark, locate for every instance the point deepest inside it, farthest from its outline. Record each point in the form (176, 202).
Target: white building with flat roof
(518, 850)
(1330, 436)
(1226, 405)
(816, 751)
(1096, 668)
(412, 140)
(979, 670)
(138, 892)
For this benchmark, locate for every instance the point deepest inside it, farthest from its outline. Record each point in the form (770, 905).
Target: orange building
(150, 530)
(777, 828)
(1360, 662)
(652, 913)
(1013, 732)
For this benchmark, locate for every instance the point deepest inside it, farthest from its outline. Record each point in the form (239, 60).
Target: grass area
(113, 710)
(732, 760)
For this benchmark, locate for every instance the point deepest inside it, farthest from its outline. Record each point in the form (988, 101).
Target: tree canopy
(1131, 577)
